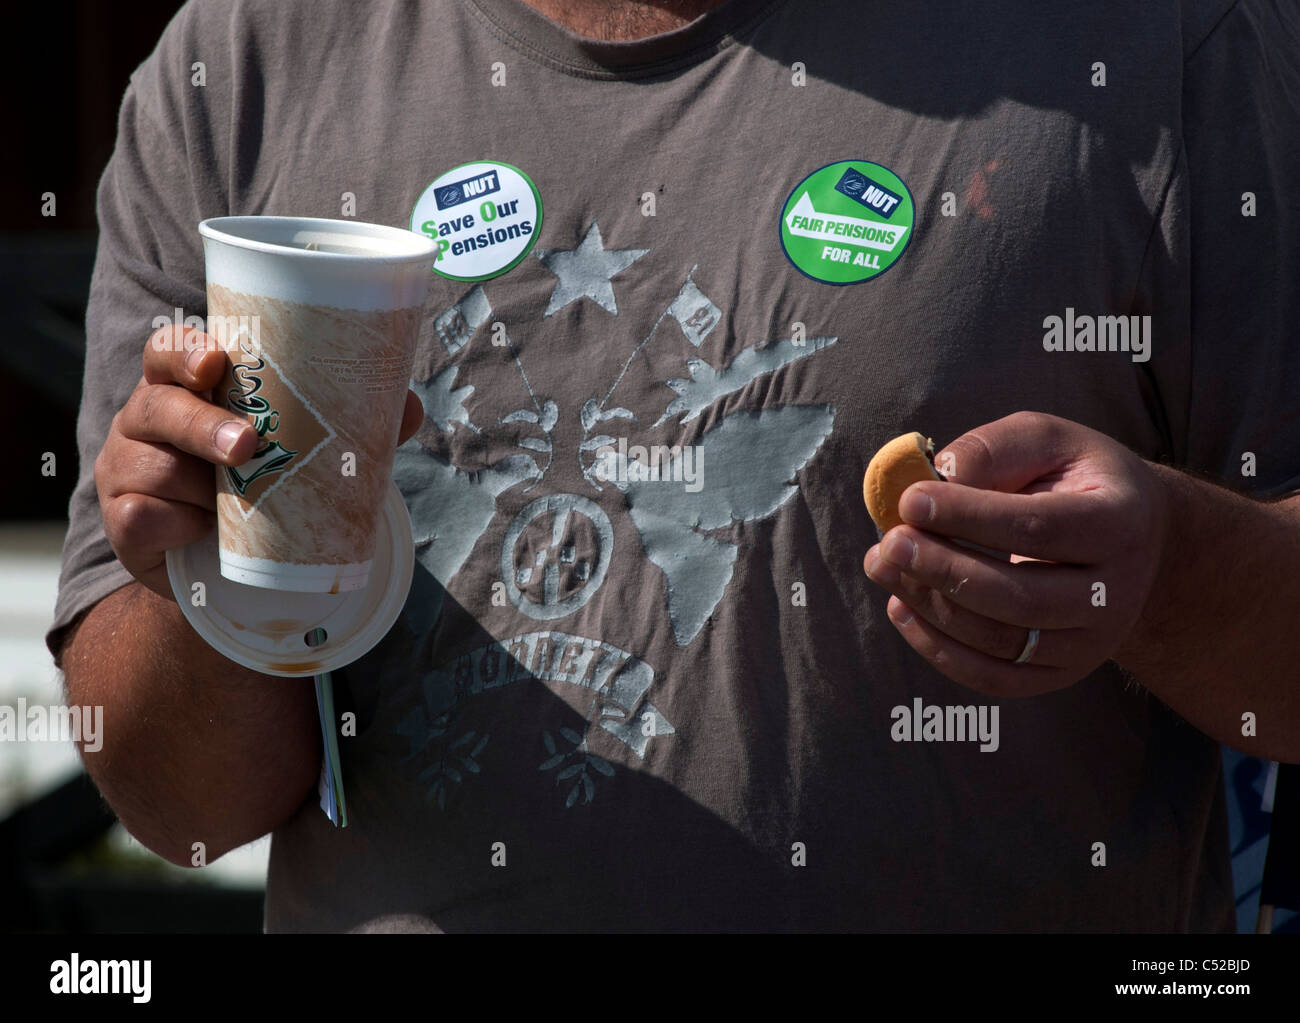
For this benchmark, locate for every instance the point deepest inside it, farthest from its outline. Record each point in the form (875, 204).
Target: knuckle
(1020, 604)
(915, 593)
(951, 579)
(972, 455)
(110, 528)
(149, 408)
(131, 518)
(1030, 530)
(1033, 421)
(940, 610)
(140, 410)
(100, 478)
(989, 636)
(103, 478)
(160, 416)
(149, 465)
(1049, 430)
(932, 607)
(1005, 642)
(1131, 546)
(190, 422)
(103, 466)
(100, 466)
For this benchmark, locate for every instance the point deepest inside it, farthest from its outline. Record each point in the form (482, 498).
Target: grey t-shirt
(637, 707)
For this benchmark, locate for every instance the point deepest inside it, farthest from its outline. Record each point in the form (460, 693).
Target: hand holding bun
(900, 463)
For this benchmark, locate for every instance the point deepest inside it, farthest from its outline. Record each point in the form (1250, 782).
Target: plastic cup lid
(268, 630)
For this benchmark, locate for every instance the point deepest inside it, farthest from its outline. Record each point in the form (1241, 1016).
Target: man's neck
(622, 20)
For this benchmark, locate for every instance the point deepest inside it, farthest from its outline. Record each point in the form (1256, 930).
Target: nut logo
(847, 222)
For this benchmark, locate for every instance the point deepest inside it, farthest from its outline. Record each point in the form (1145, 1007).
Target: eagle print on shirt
(558, 550)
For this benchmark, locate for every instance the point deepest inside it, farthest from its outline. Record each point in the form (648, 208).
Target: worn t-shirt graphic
(679, 486)
(641, 681)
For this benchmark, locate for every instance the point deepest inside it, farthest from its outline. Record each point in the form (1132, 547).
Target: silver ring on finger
(1031, 645)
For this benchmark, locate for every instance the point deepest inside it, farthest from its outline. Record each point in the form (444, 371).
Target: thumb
(1010, 453)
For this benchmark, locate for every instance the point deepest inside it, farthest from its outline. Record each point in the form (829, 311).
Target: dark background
(67, 63)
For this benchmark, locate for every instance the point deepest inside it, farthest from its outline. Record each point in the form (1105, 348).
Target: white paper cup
(319, 320)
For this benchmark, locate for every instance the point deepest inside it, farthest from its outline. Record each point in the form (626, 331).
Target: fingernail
(194, 358)
(881, 572)
(898, 550)
(228, 436)
(916, 506)
(899, 612)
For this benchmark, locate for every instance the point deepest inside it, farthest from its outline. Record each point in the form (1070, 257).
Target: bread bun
(900, 463)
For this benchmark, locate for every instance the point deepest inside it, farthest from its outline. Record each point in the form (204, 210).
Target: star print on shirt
(585, 272)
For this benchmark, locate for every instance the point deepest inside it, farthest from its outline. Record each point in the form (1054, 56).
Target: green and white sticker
(485, 216)
(847, 222)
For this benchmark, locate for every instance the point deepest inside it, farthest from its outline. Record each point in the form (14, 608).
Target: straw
(336, 807)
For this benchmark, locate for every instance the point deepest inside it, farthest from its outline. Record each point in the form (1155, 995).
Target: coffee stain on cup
(306, 666)
(281, 626)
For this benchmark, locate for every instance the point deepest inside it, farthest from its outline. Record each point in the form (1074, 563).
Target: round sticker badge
(485, 216)
(847, 222)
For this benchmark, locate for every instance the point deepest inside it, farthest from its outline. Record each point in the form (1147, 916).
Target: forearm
(1219, 636)
(195, 747)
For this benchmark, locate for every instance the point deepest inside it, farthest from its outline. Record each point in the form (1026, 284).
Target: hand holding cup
(154, 474)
